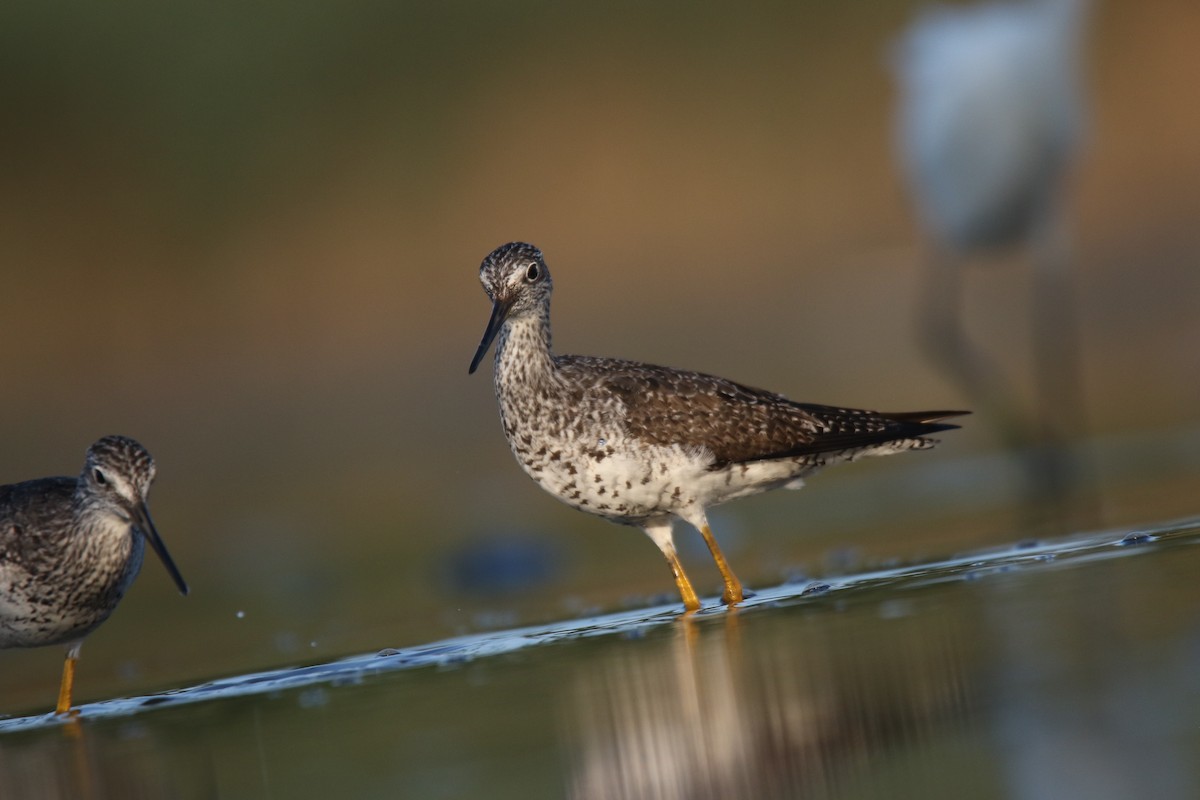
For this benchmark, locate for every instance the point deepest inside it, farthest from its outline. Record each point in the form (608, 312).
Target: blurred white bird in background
(990, 122)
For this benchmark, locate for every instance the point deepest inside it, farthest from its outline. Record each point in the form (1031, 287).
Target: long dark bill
(146, 526)
(499, 313)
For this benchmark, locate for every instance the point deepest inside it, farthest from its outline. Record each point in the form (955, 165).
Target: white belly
(630, 482)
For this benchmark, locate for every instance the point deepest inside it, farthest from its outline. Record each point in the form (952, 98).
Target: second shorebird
(71, 547)
(640, 444)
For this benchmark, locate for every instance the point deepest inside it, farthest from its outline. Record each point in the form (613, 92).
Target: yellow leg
(68, 681)
(690, 601)
(733, 587)
(660, 531)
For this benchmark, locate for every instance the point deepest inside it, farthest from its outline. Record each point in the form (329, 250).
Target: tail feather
(908, 425)
(925, 417)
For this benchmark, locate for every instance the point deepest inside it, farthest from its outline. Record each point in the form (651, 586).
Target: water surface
(1049, 669)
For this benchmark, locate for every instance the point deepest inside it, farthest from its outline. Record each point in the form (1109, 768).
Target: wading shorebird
(70, 548)
(990, 122)
(640, 444)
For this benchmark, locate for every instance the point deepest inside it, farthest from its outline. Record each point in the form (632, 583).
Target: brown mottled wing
(25, 511)
(735, 423)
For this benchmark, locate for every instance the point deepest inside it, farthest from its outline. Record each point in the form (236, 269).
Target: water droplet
(240, 614)
(602, 442)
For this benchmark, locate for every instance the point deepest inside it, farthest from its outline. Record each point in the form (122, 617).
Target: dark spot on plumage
(598, 479)
(602, 491)
(541, 451)
(628, 484)
(556, 455)
(571, 470)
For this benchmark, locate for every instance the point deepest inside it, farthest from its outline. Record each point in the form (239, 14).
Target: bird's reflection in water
(735, 708)
(74, 763)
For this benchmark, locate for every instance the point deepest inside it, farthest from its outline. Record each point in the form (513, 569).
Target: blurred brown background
(249, 237)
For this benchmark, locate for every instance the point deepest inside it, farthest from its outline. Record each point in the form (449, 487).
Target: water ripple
(976, 566)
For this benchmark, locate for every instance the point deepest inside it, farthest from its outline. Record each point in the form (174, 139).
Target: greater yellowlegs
(640, 444)
(70, 548)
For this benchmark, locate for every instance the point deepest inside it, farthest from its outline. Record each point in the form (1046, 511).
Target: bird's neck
(523, 351)
(108, 544)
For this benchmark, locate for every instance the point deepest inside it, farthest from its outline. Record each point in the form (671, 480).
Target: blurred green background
(249, 237)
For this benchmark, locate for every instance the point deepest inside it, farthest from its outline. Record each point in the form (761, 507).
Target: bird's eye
(533, 273)
(99, 476)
